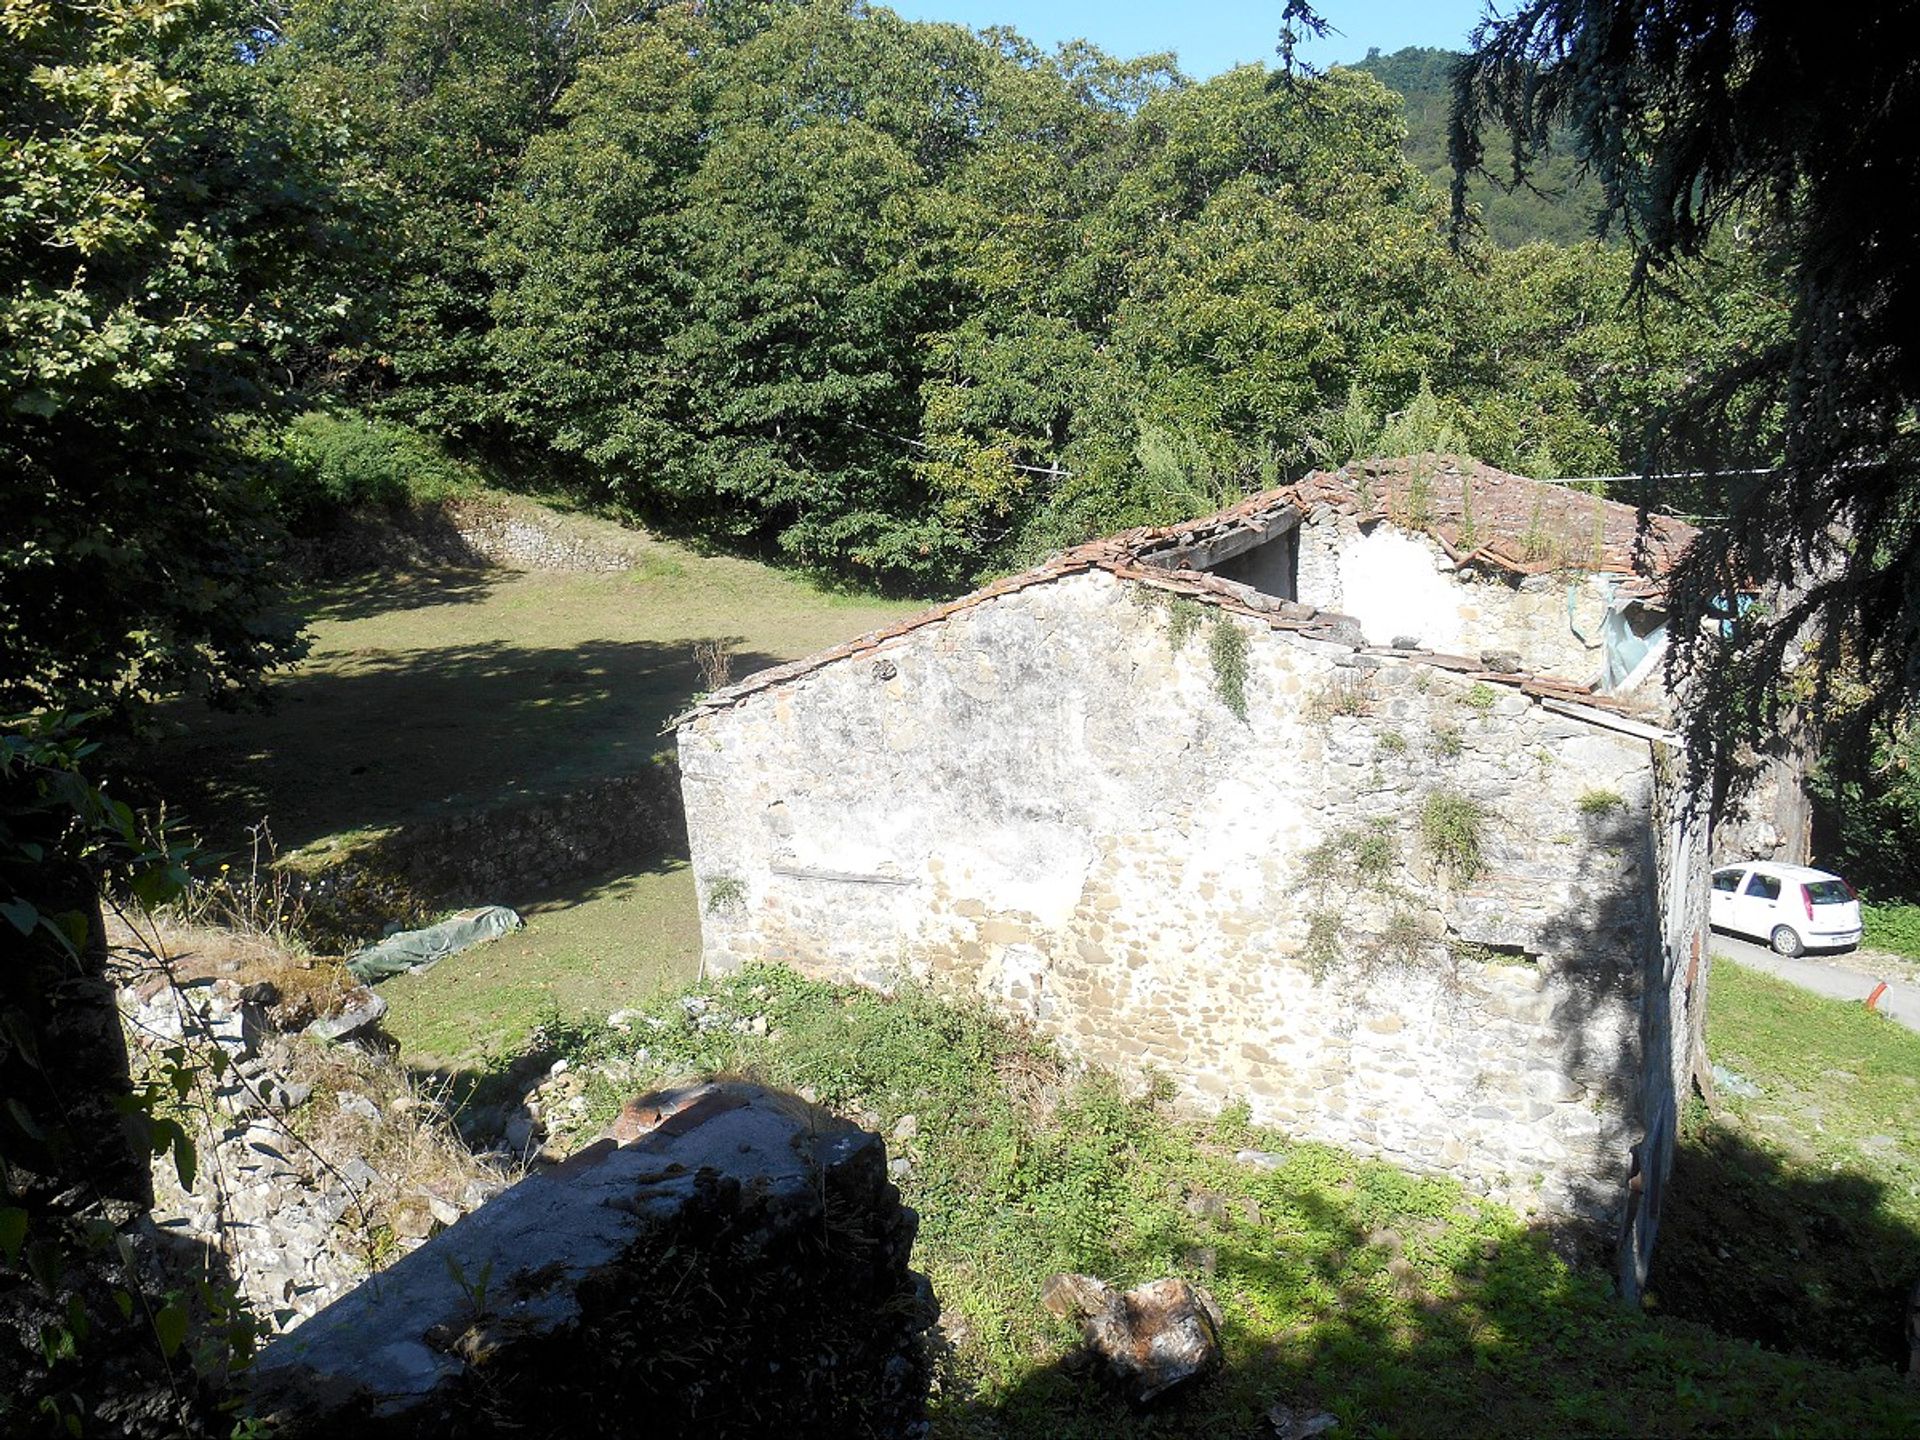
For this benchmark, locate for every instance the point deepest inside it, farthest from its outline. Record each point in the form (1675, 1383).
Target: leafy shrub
(1893, 927)
(331, 463)
(1450, 830)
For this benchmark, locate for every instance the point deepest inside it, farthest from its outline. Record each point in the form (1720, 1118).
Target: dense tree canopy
(162, 246)
(897, 301)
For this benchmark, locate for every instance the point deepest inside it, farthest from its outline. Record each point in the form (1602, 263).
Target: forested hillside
(912, 304)
(897, 302)
(1557, 203)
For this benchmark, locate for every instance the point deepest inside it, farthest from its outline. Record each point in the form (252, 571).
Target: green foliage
(1346, 694)
(94, 1336)
(1598, 804)
(1559, 205)
(1227, 649)
(1447, 742)
(167, 250)
(1183, 619)
(1893, 927)
(1706, 141)
(1452, 828)
(1816, 1172)
(1393, 743)
(725, 892)
(1367, 853)
(1866, 823)
(1411, 1305)
(334, 463)
(1480, 696)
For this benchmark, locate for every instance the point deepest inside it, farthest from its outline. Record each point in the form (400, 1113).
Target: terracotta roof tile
(1476, 513)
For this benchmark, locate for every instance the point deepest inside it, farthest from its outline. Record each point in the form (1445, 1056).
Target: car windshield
(1828, 892)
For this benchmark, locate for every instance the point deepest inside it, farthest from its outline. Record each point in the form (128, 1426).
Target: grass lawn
(1401, 1305)
(437, 693)
(1794, 1216)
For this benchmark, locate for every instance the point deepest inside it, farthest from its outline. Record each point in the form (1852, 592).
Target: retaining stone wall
(739, 1270)
(1045, 801)
(509, 855)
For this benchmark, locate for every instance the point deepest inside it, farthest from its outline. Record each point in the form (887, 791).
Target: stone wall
(1401, 585)
(510, 855)
(730, 1262)
(1045, 799)
(486, 530)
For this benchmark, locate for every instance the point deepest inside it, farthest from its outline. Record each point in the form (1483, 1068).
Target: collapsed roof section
(1477, 514)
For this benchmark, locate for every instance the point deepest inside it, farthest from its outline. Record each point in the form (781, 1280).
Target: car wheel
(1786, 941)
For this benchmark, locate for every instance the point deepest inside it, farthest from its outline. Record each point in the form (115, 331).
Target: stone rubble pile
(282, 1192)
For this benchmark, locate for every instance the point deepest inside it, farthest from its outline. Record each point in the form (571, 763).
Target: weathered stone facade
(1402, 586)
(1047, 797)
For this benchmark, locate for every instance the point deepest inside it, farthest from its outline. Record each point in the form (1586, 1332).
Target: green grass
(433, 693)
(436, 694)
(1893, 927)
(605, 952)
(1794, 1216)
(1401, 1305)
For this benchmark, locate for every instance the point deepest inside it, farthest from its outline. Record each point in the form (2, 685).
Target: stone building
(1285, 805)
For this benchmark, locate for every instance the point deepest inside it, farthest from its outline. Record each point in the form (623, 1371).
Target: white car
(1790, 907)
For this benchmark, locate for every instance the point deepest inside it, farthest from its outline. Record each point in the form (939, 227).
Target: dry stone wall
(730, 1262)
(1047, 800)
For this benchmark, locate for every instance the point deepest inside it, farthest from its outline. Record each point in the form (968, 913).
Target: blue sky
(1212, 35)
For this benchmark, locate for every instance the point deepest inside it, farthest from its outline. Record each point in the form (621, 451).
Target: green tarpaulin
(417, 949)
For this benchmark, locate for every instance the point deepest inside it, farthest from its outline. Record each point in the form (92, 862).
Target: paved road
(1811, 972)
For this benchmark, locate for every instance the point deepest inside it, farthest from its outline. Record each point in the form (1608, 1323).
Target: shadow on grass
(1508, 1344)
(1797, 1259)
(363, 596)
(382, 737)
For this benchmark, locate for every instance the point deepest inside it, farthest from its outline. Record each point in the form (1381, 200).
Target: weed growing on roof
(1227, 648)
(1598, 804)
(1480, 696)
(1451, 830)
(1418, 512)
(1447, 742)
